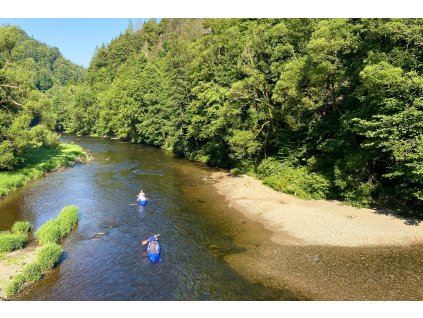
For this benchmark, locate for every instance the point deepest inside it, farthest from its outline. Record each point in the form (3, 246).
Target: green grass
(15, 285)
(68, 218)
(32, 272)
(12, 241)
(38, 162)
(48, 256)
(55, 229)
(15, 239)
(22, 227)
(298, 181)
(49, 232)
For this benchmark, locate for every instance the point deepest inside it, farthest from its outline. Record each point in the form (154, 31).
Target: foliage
(336, 102)
(48, 256)
(36, 163)
(28, 69)
(49, 232)
(11, 241)
(22, 227)
(55, 229)
(15, 285)
(293, 180)
(68, 218)
(32, 272)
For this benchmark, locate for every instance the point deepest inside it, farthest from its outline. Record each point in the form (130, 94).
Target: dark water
(196, 229)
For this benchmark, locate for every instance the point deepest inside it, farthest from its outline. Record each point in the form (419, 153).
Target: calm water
(209, 251)
(196, 229)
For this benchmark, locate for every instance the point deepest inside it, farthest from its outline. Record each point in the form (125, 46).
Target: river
(210, 251)
(197, 229)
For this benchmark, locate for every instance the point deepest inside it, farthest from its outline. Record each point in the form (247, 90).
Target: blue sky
(75, 38)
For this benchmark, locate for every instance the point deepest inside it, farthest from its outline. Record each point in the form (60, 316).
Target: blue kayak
(142, 202)
(153, 250)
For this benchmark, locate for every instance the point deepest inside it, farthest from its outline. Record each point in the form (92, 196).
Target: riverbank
(22, 267)
(294, 221)
(11, 264)
(323, 250)
(39, 162)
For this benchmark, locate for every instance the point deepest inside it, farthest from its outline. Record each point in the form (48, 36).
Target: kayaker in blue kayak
(141, 198)
(141, 195)
(153, 248)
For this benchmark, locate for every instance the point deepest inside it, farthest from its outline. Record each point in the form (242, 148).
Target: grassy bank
(17, 272)
(38, 162)
(16, 238)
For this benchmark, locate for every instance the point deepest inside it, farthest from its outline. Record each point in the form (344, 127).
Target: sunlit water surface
(196, 229)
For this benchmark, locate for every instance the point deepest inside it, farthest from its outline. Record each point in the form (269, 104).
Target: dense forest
(321, 108)
(28, 71)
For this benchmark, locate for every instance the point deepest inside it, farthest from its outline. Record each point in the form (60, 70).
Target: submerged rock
(99, 234)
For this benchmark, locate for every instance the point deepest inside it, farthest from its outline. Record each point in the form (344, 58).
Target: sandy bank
(12, 263)
(315, 222)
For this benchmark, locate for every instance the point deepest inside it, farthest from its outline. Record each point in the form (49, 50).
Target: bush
(353, 181)
(49, 232)
(12, 241)
(34, 163)
(48, 256)
(32, 272)
(237, 171)
(293, 180)
(67, 218)
(55, 229)
(22, 227)
(7, 155)
(15, 285)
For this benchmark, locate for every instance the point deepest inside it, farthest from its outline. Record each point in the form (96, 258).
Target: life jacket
(153, 247)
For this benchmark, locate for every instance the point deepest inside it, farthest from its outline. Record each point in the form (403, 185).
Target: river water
(209, 250)
(197, 229)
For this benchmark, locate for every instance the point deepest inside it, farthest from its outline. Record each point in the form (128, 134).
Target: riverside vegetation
(37, 162)
(47, 254)
(29, 147)
(321, 108)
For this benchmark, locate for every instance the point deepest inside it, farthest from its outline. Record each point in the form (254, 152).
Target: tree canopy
(332, 105)
(28, 69)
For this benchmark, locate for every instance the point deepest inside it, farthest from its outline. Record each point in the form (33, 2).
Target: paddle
(143, 242)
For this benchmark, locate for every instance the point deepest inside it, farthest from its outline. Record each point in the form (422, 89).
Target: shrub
(15, 285)
(7, 155)
(32, 272)
(48, 256)
(353, 181)
(12, 241)
(68, 218)
(22, 227)
(49, 232)
(293, 180)
(237, 171)
(55, 229)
